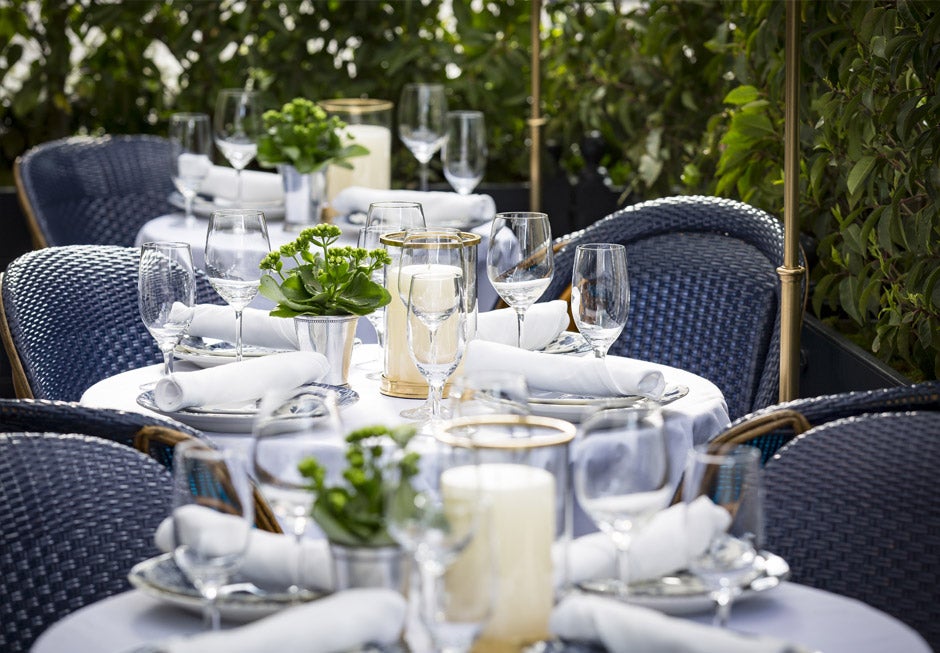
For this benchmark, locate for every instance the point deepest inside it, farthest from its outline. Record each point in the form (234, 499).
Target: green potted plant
(325, 291)
(301, 140)
(352, 513)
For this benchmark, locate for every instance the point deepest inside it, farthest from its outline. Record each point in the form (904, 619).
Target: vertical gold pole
(536, 121)
(791, 272)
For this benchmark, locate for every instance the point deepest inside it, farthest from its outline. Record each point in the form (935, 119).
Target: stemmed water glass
(213, 513)
(238, 125)
(489, 392)
(600, 293)
(370, 237)
(236, 242)
(290, 427)
(191, 142)
(621, 478)
(520, 260)
(421, 111)
(464, 151)
(166, 292)
(731, 480)
(436, 331)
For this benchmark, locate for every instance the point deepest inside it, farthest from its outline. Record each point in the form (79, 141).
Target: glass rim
(396, 204)
(465, 112)
(356, 105)
(165, 244)
(732, 453)
(601, 246)
(525, 215)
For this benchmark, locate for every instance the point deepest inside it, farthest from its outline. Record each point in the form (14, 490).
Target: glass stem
(520, 321)
(238, 186)
(723, 599)
(238, 335)
(167, 361)
(210, 613)
(600, 352)
(300, 527)
(622, 542)
(190, 218)
(424, 176)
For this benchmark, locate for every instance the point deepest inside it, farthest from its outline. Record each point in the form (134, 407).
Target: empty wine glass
(436, 330)
(238, 125)
(621, 478)
(731, 480)
(236, 242)
(166, 292)
(600, 293)
(464, 150)
(213, 513)
(396, 216)
(421, 111)
(520, 260)
(489, 392)
(370, 237)
(292, 426)
(191, 143)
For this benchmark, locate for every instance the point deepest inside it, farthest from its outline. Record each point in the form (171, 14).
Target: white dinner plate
(209, 352)
(575, 408)
(230, 418)
(240, 601)
(683, 593)
(203, 206)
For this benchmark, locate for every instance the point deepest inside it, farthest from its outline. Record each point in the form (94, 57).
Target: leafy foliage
(332, 281)
(353, 513)
(302, 135)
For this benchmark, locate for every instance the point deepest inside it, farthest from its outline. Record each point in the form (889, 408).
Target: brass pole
(791, 272)
(535, 121)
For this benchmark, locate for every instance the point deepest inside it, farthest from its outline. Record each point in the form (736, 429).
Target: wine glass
(436, 330)
(489, 392)
(191, 142)
(290, 427)
(520, 260)
(438, 516)
(370, 237)
(396, 216)
(600, 293)
(421, 111)
(236, 242)
(213, 513)
(621, 477)
(464, 151)
(238, 125)
(731, 480)
(166, 293)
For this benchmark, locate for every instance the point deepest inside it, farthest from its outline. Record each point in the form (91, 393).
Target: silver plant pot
(304, 195)
(330, 335)
(369, 566)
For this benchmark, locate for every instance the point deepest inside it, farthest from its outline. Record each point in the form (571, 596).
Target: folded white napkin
(257, 186)
(664, 545)
(543, 323)
(597, 377)
(271, 559)
(338, 623)
(440, 207)
(239, 382)
(623, 628)
(258, 327)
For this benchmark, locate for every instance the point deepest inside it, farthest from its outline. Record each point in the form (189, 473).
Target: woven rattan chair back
(852, 506)
(70, 318)
(704, 290)
(77, 512)
(97, 191)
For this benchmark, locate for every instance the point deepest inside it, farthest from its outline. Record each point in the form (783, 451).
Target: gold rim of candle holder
(356, 105)
(566, 431)
(397, 239)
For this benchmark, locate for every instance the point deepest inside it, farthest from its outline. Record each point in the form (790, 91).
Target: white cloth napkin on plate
(257, 186)
(597, 377)
(662, 546)
(341, 622)
(543, 323)
(440, 207)
(258, 327)
(623, 628)
(239, 382)
(271, 559)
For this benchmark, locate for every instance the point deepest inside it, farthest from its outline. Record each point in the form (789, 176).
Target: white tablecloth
(818, 620)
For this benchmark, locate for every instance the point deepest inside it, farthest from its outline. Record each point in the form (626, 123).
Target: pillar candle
(372, 170)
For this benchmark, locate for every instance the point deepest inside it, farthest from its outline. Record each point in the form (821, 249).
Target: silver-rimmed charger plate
(160, 578)
(209, 352)
(233, 418)
(575, 408)
(684, 593)
(204, 206)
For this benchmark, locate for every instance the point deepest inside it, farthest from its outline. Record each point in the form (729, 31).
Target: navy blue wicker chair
(704, 290)
(97, 191)
(77, 513)
(852, 506)
(69, 318)
(772, 427)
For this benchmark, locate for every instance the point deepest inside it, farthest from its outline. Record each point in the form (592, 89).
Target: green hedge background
(687, 95)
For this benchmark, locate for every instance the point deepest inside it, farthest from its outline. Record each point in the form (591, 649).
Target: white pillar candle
(520, 523)
(373, 170)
